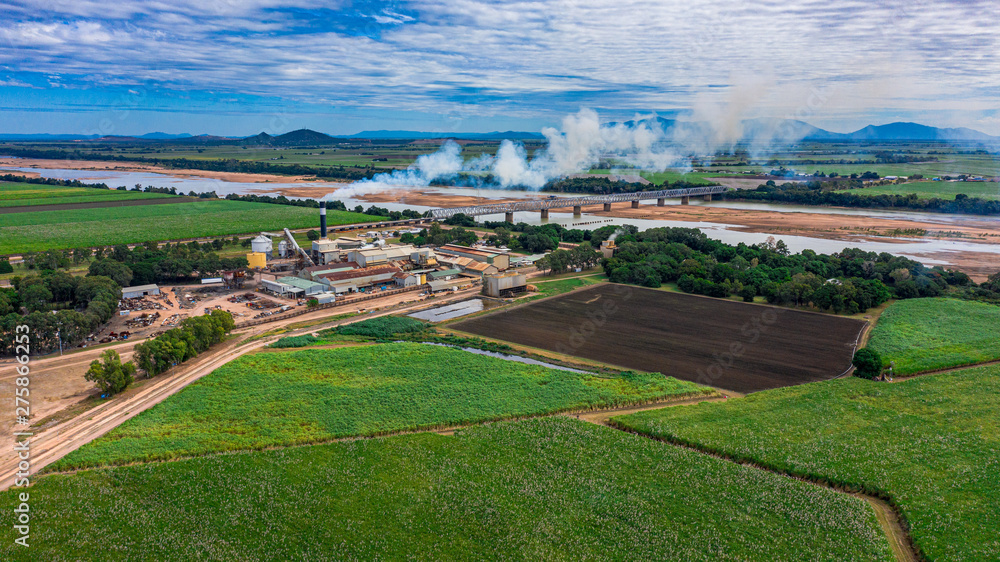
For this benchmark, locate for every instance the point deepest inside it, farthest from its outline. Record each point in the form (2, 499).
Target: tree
(312, 235)
(5, 267)
(117, 271)
(867, 363)
(110, 374)
(36, 297)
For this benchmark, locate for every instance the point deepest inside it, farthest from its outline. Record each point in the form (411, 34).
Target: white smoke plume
(580, 144)
(447, 161)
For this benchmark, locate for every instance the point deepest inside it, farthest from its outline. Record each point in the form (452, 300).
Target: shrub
(867, 363)
(295, 341)
(383, 327)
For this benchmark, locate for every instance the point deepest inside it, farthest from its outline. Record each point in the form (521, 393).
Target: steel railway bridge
(578, 203)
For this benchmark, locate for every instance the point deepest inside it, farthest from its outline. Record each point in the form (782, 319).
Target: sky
(239, 67)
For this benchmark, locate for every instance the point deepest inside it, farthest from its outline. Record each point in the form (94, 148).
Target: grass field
(52, 230)
(928, 334)
(542, 489)
(295, 397)
(931, 443)
(939, 189)
(14, 194)
(560, 286)
(729, 345)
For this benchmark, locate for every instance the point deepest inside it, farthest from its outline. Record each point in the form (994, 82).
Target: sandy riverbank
(136, 167)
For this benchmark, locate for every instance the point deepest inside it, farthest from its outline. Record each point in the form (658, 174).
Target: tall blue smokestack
(322, 219)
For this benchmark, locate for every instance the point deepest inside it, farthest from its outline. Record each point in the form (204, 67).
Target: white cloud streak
(522, 57)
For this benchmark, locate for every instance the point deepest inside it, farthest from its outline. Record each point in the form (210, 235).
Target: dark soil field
(725, 344)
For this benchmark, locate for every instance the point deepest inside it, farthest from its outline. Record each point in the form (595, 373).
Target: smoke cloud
(577, 146)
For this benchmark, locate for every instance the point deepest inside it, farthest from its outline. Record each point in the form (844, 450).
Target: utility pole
(59, 337)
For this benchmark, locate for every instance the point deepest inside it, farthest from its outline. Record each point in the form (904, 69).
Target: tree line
(175, 346)
(834, 193)
(850, 281)
(54, 301)
(350, 173)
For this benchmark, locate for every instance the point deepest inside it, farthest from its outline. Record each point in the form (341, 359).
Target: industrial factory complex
(346, 265)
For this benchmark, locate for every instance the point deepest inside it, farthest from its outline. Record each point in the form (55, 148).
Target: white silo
(261, 244)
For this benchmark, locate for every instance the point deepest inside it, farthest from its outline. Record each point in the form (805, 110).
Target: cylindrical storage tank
(283, 248)
(261, 244)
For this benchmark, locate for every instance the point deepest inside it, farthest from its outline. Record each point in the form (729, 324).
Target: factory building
(312, 273)
(281, 289)
(359, 280)
(406, 279)
(386, 254)
(140, 291)
(325, 250)
(467, 265)
(504, 284)
(444, 274)
(309, 288)
(496, 258)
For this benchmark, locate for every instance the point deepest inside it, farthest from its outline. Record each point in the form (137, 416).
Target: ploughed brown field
(725, 344)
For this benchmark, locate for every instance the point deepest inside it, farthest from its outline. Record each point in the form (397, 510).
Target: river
(917, 248)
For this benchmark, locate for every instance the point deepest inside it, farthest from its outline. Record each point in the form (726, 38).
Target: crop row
(928, 444)
(49, 230)
(543, 489)
(311, 395)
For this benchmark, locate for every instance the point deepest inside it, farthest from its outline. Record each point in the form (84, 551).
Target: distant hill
(751, 131)
(794, 130)
(164, 136)
(916, 131)
(301, 137)
(383, 134)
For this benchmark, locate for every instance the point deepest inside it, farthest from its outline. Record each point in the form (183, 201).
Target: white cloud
(524, 57)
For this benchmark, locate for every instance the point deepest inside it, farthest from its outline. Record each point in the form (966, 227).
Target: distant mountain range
(764, 130)
(751, 130)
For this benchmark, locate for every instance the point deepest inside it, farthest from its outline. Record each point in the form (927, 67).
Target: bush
(383, 327)
(867, 363)
(295, 341)
(110, 374)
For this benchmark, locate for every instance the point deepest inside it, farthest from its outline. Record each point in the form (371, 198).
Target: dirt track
(52, 443)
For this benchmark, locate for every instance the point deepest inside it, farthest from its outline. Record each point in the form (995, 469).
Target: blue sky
(238, 67)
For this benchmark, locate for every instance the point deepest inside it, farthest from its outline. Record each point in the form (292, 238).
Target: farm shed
(140, 291)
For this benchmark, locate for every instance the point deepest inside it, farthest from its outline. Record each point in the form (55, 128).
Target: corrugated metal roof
(445, 273)
(441, 285)
(298, 282)
(140, 288)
